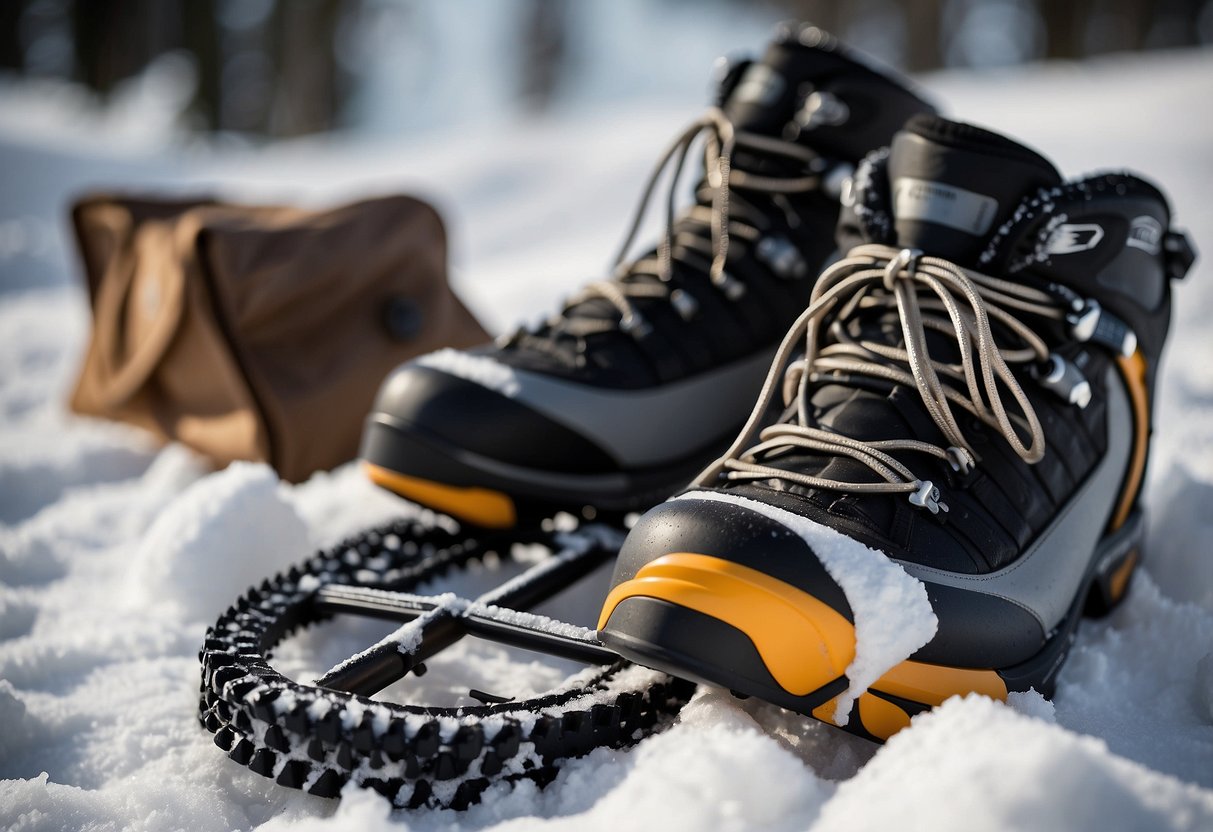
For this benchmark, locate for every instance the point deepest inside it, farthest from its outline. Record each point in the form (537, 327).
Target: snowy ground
(114, 555)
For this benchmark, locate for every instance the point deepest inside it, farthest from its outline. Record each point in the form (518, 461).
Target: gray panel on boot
(649, 427)
(1044, 579)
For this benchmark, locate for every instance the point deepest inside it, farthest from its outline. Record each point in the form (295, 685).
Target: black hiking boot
(1001, 467)
(642, 379)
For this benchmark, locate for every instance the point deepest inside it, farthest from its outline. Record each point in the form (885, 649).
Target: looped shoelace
(927, 293)
(721, 142)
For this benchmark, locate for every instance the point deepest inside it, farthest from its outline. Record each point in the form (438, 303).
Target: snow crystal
(407, 637)
(533, 621)
(673, 782)
(868, 206)
(17, 613)
(478, 368)
(1031, 703)
(1181, 525)
(1204, 686)
(893, 617)
(977, 760)
(1134, 678)
(19, 727)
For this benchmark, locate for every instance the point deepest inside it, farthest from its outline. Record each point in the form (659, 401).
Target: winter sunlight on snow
(115, 555)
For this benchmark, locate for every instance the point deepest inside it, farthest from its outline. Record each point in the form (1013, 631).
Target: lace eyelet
(1065, 380)
(961, 460)
(635, 325)
(783, 257)
(733, 289)
(684, 304)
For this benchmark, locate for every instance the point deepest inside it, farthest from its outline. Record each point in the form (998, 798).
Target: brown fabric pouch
(257, 332)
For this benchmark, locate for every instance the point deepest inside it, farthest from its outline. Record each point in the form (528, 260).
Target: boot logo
(936, 202)
(1145, 233)
(1071, 238)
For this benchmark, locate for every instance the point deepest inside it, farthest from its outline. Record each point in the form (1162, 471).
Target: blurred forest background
(255, 69)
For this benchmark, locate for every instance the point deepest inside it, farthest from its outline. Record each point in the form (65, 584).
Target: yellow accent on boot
(825, 711)
(1133, 370)
(926, 684)
(803, 642)
(1118, 582)
(880, 717)
(481, 506)
(931, 684)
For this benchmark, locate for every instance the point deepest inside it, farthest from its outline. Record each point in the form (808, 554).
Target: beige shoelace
(722, 139)
(928, 293)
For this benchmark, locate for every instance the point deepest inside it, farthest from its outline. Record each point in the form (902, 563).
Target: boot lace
(927, 293)
(713, 208)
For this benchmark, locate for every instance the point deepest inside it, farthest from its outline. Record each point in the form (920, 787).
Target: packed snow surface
(114, 554)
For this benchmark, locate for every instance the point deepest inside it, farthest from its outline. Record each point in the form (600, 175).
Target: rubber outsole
(655, 621)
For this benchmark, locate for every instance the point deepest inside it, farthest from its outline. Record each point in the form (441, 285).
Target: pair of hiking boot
(962, 349)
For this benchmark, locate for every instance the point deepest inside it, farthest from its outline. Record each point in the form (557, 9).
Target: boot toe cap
(728, 596)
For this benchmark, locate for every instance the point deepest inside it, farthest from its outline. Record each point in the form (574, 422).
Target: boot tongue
(811, 89)
(953, 184)
(765, 97)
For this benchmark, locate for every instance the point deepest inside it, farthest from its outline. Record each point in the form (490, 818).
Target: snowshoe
(320, 736)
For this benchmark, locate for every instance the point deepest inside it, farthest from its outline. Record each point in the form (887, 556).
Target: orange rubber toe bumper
(803, 643)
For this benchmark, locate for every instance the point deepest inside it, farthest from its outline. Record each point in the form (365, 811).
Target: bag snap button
(402, 318)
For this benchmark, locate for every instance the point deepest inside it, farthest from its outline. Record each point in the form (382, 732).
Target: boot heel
(1120, 554)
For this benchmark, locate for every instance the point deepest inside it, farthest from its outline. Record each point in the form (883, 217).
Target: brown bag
(256, 332)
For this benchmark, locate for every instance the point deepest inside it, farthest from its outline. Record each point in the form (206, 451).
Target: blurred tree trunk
(11, 54)
(826, 14)
(306, 94)
(1065, 25)
(1175, 24)
(114, 41)
(543, 51)
(1134, 22)
(200, 37)
(924, 47)
(1117, 25)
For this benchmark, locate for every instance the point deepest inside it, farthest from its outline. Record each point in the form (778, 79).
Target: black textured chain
(318, 738)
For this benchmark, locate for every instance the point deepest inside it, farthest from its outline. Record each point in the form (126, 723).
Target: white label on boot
(1071, 238)
(935, 202)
